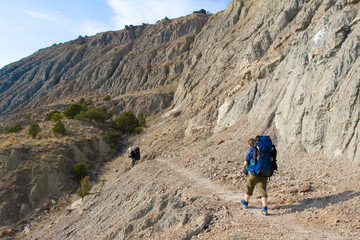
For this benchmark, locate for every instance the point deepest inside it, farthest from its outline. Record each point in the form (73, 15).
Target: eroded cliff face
(291, 69)
(35, 172)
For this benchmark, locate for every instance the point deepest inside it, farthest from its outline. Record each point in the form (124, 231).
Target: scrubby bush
(80, 116)
(85, 186)
(79, 171)
(138, 130)
(89, 102)
(112, 136)
(27, 117)
(97, 114)
(126, 122)
(34, 129)
(141, 119)
(54, 116)
(13, 129)
(107, 98)
(59, 128)
(72, 110)
(82, 101)
(203, 11)
(49, 115)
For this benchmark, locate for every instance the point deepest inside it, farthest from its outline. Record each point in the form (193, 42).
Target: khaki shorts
(253, 181)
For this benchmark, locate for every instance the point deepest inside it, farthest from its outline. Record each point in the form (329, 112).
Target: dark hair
(251, 142)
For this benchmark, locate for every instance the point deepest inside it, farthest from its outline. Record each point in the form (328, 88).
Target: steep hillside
(135, 59)
(285, 68)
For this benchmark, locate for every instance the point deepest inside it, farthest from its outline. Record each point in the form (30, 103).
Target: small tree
(112, 136)
(126, 122)
(56, 117)
(59, 128)
(203, 11)
(34, 129)
(97, 114)
(79, 171)
(141, 119)
(107, 98)
(85, 186)
(13, 129)
(82, 102)
(72, 110)
(49, 115)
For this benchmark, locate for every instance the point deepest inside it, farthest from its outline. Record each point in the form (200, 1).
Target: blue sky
(29, 25)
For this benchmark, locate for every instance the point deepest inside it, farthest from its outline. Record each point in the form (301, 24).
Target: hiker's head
(251, 142)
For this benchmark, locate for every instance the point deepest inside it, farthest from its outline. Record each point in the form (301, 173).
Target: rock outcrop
(34, 172)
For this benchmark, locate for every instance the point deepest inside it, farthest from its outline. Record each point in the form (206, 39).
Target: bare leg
(247, 197)
(264, 201)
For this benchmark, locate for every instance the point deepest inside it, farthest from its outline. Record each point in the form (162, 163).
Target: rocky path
(202, 183)
(278, 225)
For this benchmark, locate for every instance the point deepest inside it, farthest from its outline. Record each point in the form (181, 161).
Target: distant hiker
(260, 168)
(134, 155)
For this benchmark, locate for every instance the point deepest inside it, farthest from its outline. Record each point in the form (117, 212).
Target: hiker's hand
(246, 163)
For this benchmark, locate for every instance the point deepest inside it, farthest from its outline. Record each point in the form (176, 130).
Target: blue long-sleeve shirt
(249, 156)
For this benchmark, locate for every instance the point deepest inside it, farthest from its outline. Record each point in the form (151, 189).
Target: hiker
(134, 155)
(252, 180)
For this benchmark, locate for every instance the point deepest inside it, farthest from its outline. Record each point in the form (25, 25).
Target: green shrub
(56, 117)
(49, 115)
(27, 117)
(141, 119)
(80, 116)
(34, 129)
(138, 130)
(13, 129)
(112, 136)
(97, 114)
(72, 110)
(126, 122)
(203, 11)
(81, 101)
(89, 101)
(79, 171)
(59, 128)
(107, 98)
(85, 186)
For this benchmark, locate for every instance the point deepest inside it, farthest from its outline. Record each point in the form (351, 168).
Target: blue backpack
(263, 160)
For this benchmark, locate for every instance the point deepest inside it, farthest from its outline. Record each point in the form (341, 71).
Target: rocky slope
(285, 68)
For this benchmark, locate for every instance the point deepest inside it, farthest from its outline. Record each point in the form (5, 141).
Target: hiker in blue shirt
(252, 181)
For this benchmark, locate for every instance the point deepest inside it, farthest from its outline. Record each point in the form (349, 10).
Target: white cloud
(43, 16)
(89, 27)
(137, 12)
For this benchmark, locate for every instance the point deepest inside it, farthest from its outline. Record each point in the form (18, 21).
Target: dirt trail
(278, 225)
(204, 183)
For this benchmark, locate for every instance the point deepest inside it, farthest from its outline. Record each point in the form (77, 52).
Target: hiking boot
(264, 211)
(244, 203)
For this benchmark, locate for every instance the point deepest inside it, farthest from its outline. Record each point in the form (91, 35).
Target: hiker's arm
(247, 158)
